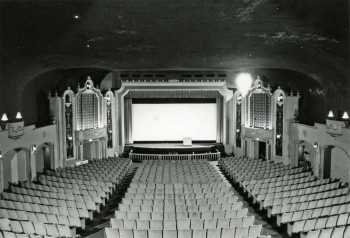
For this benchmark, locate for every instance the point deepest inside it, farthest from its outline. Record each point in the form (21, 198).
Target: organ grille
(260, 110)
(87, 111)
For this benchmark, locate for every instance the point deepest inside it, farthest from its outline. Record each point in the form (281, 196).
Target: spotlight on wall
(315, 145)
(19, 116)
(330, 114)
(244, 82)
(345, 116)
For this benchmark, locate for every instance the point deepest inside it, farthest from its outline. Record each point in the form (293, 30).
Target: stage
(173, 148)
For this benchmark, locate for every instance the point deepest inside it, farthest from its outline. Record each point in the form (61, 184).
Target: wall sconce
(315, 145)
(330, 114)
(3, 122)
(345, 116)
(19, 116)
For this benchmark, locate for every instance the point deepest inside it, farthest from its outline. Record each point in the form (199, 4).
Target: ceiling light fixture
(76, 16)
(244, 82)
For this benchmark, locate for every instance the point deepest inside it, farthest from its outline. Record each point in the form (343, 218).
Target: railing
(203, 156)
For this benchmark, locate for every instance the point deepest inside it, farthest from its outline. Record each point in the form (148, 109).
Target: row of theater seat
(199, 205)
(35, 228)
(173, 172)
(58, 206)
(186, 233)
(308, 206)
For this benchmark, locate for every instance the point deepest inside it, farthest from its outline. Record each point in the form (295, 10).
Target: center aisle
(181, 199)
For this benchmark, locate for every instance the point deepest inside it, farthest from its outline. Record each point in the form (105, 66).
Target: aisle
(267, 228)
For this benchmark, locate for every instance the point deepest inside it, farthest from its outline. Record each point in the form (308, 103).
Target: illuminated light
(330, 114)
(315, 145)
(244, 82)
(238, 130)
(257, 139)
(4, 118)
(345, 116)
(278, 136)
(76, 17)
(88, 45)
(280, 98)
(90, 140)
(19, 116)
(0, 154)
(70, 138)
(33, 148)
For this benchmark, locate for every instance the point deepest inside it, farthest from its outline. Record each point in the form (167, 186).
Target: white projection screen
(174, 121)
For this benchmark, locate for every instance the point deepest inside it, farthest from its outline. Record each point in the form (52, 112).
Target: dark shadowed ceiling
(307, 36)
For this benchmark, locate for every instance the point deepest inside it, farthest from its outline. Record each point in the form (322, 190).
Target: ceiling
(309, 36)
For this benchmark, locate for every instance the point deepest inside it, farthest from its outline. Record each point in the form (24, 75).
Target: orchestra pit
(174, 119)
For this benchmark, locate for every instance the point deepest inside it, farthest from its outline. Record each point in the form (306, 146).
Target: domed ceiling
(309, 36)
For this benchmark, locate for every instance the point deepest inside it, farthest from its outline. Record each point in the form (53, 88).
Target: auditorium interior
(174, 119)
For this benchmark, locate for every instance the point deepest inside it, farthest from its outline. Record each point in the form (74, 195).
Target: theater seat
(169, 234)
(52, 230)
(64, 231)
(154, 233)
(16, 227)
(156, 225)
(117, 223)
(326, 233)
(313, 234)
(142, 225)
(228, 233)
(347, 231)
(183, 233)
(210, 223)
(111, 233)
(199, 233)
(338, 232)
(140, 234)
(214, 233)
(125, 233)
(8, 234)
(242, 232)
(183, 224)
(5, 224)
(254, 231)
(28, 227)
